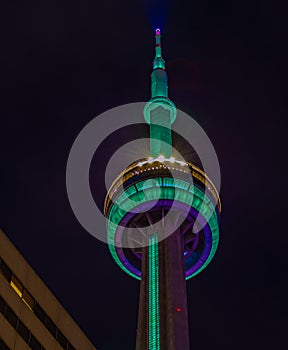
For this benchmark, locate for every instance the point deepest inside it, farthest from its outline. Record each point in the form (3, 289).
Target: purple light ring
(164, 202)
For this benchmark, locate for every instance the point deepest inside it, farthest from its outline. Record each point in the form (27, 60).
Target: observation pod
(143, 194)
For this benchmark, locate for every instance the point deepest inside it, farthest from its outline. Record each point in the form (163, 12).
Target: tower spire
(160, 111)
(159, 81)
(158, 61)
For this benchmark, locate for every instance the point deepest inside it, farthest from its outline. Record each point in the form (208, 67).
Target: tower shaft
(172, 297)
(160, 133)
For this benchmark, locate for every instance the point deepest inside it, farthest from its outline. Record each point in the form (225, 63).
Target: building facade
(30, 315)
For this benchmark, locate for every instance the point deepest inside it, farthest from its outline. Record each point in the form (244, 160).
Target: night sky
(65, 62)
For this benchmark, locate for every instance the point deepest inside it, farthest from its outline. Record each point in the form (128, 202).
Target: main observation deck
(144, 193)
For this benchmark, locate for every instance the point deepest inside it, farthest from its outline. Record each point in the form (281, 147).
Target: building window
(62, 340)
(31, 303)
(11, 316)
(3, 346)
(16, 285)
(70, 347)
(51, 326)
(5, 271)
(28, 299)
(34, 343)
(40, 313)
(2, 305)
(23, 331)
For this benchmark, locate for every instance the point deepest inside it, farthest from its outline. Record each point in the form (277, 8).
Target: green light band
(153, 294)
(165, 188)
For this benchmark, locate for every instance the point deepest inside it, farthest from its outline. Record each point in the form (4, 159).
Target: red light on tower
(178, 309)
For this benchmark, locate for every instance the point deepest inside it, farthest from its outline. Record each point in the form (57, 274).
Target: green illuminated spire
(158, 60)
(159, 81)
(160, 111)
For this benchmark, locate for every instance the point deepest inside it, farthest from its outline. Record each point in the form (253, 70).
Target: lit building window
(17, 286)
(31, 303)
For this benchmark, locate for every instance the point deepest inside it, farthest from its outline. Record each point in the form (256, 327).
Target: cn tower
(163, 223)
